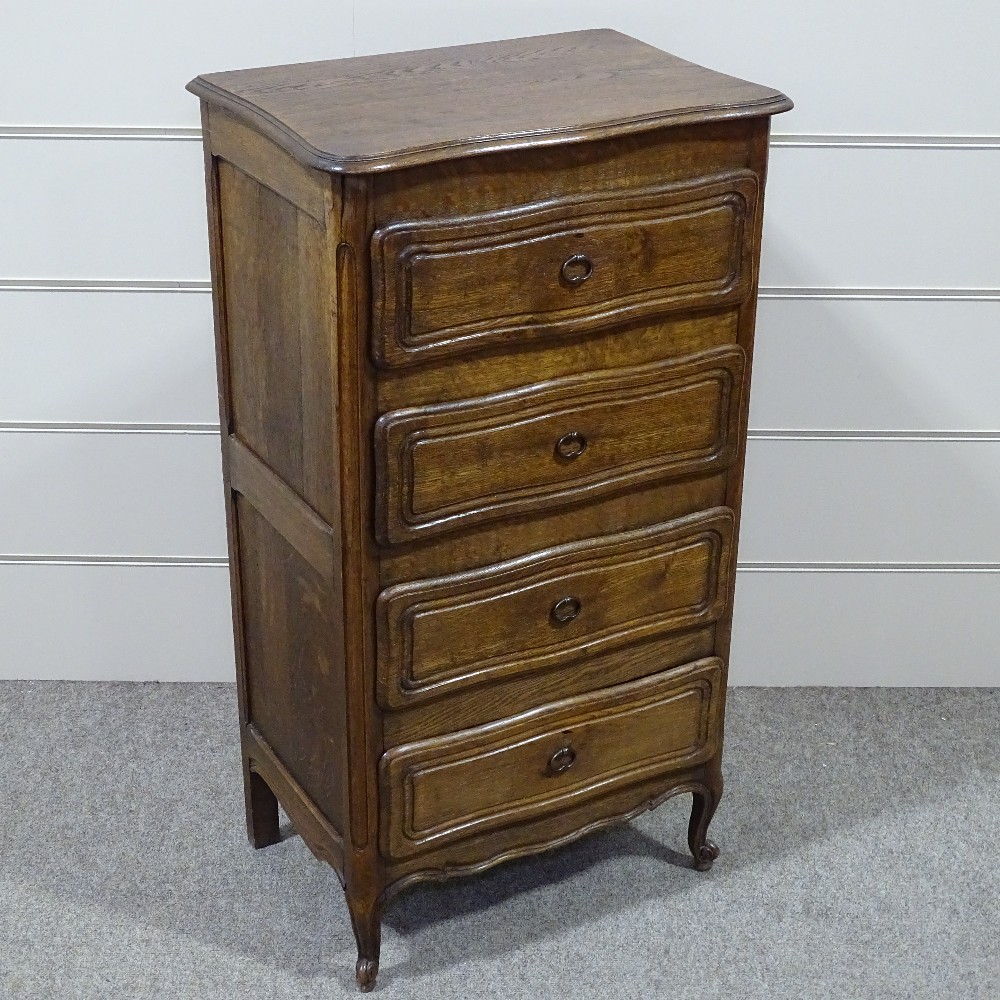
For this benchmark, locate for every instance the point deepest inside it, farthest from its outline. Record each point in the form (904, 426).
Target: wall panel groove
(783, 140)
(54, 427)
(826, 292)
(215, 562)
(208, 562)
(762, 434)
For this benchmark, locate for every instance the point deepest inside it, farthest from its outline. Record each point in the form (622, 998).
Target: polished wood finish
(484, 370)
(389, 111)
(444, 789)
(445, 466)
(565, 265)
(525, 615)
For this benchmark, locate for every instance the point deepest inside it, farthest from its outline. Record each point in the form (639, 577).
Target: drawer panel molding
(451, 465)
(577, 600)
(457, 786)
(447, 286)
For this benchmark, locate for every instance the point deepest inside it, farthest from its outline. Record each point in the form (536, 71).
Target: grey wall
(870, 552)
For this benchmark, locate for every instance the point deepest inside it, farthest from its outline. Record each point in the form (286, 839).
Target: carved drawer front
(548, 759)
(445, 286)
(452, 465)
(441, 635)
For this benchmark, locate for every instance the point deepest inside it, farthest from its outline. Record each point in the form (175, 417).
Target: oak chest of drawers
(484, 319)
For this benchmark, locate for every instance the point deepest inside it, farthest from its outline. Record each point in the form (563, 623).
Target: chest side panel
(276, 333)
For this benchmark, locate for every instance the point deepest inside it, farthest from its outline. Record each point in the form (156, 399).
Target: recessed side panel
(294, 681)
(278, 314)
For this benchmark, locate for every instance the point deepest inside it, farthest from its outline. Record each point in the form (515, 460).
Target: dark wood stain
(484, 371)
(387, 111)
(452, 465)
(477, 627)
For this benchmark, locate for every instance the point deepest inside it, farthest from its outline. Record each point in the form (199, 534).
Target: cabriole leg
(366, 919)
(706, 800)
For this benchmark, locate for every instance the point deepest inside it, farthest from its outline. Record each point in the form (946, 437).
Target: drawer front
(451, 465)
(446, 286)
(449, 788)
(442, 635)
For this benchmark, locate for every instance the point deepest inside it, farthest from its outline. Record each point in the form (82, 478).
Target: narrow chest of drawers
(484, 320)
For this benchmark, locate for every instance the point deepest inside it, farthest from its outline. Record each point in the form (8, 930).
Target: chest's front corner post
(364, 879)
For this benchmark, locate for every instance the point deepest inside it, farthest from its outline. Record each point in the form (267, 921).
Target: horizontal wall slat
(882, 217)
(917, 71)
(104, 210)
(806, 500)
(92, 357)
(109, 494)
(136, 357)
(173, 624)
(871, 501)
(110, 63)
(792, 140)
(836, 217)
(820, 364)
(866, 629)
(879, 365)
(116, 623)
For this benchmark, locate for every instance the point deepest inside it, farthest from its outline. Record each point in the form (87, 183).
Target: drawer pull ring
(576, 269)
(562, 760)
(566, 609)
(571, 445)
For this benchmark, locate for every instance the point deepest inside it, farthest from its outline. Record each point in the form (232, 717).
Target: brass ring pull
(565, 610)
(576, 269)
(571, 445)
(562, 760)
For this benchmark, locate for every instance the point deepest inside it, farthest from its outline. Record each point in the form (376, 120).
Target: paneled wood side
(278, 318)
(295, 682)
(271, 226)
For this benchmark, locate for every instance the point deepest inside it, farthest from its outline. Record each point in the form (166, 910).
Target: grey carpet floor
(860, 832)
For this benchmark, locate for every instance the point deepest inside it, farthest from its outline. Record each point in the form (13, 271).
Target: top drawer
(447, 286)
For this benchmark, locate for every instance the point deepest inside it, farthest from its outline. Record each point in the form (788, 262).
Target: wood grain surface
(571, 601)
(484, 422)
(388, 111)
(450, 787)
(570, 264)
(555, 443)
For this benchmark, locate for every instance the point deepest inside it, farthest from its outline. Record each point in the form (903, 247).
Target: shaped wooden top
(387, 111)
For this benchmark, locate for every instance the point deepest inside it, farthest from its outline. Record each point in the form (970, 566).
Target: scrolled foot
(366, 919)
(704, 801)
(705, 855)
(365, 972)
